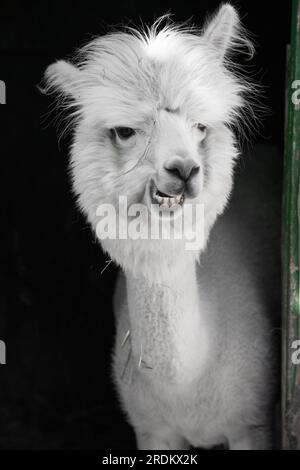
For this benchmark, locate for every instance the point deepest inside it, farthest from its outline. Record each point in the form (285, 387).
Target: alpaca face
(151, 118)
(168, 150)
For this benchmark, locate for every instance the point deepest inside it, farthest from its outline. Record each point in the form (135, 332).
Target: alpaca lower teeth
(168, 202)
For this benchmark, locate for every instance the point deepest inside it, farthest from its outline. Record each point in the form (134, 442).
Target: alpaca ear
(64, 77)
(220, 31)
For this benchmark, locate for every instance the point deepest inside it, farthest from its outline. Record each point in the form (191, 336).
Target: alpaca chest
(194, 409)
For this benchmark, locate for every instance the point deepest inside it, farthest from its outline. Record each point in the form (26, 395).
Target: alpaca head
(152, 121)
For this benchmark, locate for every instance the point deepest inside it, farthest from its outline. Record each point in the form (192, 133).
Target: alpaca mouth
(165, 201)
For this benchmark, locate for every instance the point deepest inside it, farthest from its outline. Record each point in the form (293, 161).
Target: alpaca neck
(169, 334)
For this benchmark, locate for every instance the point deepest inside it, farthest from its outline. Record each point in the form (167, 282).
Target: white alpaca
(153, 114)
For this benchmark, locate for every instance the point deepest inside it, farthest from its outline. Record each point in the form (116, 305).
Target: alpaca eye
(124, 133)
(201, 127)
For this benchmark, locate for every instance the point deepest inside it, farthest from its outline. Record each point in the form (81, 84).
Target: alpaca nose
(182, 168)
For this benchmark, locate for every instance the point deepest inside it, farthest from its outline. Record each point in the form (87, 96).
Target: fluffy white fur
(193, 370)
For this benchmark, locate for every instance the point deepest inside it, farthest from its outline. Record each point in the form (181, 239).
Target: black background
(56, 316)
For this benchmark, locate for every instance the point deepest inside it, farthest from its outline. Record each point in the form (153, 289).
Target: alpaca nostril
(194, 171)
(184, 169)
(175, 171)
